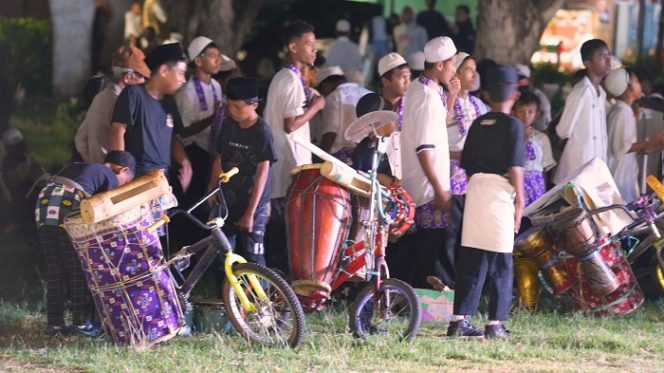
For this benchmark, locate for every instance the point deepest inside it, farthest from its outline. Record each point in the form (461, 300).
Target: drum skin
(318, 217)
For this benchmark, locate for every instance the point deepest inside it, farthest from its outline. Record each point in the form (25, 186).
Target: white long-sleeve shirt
(622, 135)
(583, 123)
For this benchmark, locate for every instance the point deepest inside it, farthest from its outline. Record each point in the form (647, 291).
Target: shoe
(462, 328)
(59, 331)
(89, 330)
(496, 331)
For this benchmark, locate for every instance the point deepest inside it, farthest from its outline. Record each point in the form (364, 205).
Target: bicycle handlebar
(224, 177)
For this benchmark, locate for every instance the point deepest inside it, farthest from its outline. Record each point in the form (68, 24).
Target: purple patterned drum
(125, 268)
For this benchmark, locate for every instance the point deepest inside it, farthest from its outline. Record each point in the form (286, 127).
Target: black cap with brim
(501, 82)
(122, 159)
(243, 88)
(165, 53)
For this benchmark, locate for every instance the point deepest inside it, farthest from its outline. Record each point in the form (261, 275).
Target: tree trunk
(72, 38)
(509, 31)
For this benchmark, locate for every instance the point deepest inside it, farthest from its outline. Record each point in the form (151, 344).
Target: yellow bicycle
(260, 304)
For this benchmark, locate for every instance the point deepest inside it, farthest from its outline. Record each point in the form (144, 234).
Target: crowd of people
(471, 146)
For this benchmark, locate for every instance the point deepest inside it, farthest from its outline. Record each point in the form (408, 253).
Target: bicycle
(259, 303)
(384, 306)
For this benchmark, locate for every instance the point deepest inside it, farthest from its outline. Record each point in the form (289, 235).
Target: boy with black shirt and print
(245, 142)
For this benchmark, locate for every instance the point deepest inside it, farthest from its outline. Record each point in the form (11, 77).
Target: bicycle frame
(371, 251)
(215, 243)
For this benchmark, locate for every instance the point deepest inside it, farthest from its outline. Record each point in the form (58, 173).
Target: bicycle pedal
(182, 264)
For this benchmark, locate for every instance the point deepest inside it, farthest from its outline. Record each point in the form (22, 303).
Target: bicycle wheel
(393, 310)
(279, 319)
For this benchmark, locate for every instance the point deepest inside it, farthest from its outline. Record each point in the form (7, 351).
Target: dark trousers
(399, 257)
(252, 244)
(473, 267)
(63, 273)
(445, 268)
(276, 241)
(426, 251)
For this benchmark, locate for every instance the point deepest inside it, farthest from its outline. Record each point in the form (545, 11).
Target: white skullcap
(328, 72)
(197, 46)
(439, 49)
(522, 70)
(343, 26)
(616, 82)
(461, 56)
(416, 61)
(389, 62)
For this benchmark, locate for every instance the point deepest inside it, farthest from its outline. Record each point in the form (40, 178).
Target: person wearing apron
(493, 158)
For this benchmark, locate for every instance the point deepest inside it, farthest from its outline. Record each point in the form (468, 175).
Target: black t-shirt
(495, 143)
(92, 177)
(150, 125)
(244, 148)
(363, 157)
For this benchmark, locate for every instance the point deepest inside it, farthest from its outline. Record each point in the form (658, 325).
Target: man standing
(290, 105)
(345, 53)
(409, 37)
(91, 140)
(584, 118)
(433, 21)
(426, 159)
(197, 103)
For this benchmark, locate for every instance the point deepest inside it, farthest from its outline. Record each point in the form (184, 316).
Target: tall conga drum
(133, 290)
(318, 213)
(577, 234)
(535, 244)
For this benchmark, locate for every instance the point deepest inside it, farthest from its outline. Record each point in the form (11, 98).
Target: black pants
(400, 258)
(473, 267)
(63, 273)
(276, 241)
(445, 267)
(426, 252)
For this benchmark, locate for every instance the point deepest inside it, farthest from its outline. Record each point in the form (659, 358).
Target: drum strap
(61, 180)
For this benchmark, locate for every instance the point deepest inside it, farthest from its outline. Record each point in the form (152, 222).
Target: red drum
(625, 299)
(318, 221)
(577, 234)
(126, 272)
(534, 244)
(401, 209)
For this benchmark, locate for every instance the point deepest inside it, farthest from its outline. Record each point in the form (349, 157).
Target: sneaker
(89, 330)
(496, 331)
(58, 331)
(462, 328)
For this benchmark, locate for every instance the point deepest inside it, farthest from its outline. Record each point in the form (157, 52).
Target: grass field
(550, 341)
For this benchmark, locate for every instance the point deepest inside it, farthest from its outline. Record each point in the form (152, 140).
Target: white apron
(488, 217)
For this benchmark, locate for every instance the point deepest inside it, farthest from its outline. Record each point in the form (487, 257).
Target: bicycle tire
(367, 319)
(282, 312)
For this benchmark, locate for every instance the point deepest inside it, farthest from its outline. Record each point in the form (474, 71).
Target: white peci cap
(389, 62)
(416, 61)
(439, 49)
(616, 82)
(343, 26)
(328, 72)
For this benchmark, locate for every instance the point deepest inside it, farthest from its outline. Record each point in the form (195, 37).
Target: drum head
(368, 123)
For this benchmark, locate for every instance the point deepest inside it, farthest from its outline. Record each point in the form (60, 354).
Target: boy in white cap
(128, 68)
(198, 102)
(341, 97)
(426, 159)
(624, 86)
(583, 121)
(289, 107)
(345, 53)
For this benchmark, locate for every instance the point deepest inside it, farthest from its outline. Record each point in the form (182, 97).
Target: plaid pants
(63, 272)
